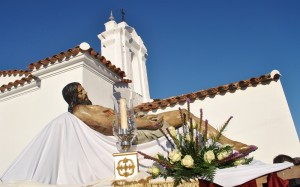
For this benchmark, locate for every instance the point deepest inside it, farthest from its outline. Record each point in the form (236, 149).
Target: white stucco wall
(99, 83)
(261, 117)
(24, 115)
(122, 45)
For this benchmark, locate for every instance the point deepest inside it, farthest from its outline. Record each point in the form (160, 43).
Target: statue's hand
(149, 122)
(156, 122)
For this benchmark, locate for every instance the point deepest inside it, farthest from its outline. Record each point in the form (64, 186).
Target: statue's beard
(85, 101)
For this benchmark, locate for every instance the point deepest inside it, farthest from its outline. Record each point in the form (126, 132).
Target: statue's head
(74, 94)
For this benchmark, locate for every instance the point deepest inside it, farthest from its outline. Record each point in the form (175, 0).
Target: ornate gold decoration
(127, 165)
(147, 183)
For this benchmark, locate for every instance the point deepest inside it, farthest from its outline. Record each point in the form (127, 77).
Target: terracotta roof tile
(201, 94)
(58, 58)
(14, 72)
(73, 52)
(244, 83)
(191, 96)
(254, 81)
(125, 80)
(173, 100)
(181, 99)
(212, 91)
(163, 103)
(222, 89)
(16, 83)
(232, 86)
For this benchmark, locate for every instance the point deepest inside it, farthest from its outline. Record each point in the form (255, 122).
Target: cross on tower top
(123, 15)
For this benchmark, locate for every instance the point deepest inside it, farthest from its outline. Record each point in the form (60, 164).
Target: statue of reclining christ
(101, 118)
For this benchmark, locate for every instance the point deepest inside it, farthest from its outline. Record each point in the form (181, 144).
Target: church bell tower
(124, 48)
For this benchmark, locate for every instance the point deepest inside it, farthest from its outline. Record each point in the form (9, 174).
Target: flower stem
(161, 162)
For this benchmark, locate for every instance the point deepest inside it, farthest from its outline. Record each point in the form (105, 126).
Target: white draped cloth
(68, 152)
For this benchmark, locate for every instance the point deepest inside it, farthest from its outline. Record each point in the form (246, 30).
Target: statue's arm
(173, 118)
(101, 118)
(148, 122)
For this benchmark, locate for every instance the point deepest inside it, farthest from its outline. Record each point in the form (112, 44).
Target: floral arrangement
(193, 154)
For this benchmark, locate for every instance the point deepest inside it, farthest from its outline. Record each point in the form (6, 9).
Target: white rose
(175, 156)
(154, 170)
(239, 162)
(187, 161)
(223, 155)
(173, 131)
(209, 156)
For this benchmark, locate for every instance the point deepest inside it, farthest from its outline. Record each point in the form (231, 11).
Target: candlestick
(124, 128)
(123, 113)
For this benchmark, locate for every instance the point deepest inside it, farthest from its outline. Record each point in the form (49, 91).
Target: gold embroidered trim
(146, 183)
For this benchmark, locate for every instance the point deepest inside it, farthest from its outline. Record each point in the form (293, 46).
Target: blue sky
(195, 44)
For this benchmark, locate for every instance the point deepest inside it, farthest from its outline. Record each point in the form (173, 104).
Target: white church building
(31, 98)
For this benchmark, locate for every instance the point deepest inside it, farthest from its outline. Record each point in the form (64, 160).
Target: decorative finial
(111, 17)
(123, 14)
(84, 46)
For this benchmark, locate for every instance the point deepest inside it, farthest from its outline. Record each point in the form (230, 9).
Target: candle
(123, 113)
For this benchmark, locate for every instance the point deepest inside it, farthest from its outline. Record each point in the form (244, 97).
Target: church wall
(24, 116)
(124, 47)
(137, 62)
(17, 126)
(99, 89)
(111, 46)
(99, 82)
(261, 117)
(145, 85)
(137, 75)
